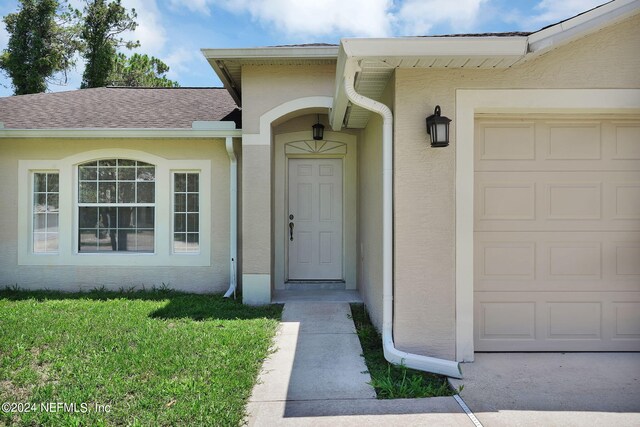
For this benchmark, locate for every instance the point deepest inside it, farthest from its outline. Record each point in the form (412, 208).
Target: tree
(102, 28)
(140, 70)
(41, 44)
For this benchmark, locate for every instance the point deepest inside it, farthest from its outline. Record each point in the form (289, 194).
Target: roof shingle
(117, 107)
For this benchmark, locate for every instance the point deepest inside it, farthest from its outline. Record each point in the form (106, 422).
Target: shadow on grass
(179, 305)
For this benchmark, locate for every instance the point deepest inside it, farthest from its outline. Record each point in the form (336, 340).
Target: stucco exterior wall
(213, 278)
(265, 87)
(424, 181)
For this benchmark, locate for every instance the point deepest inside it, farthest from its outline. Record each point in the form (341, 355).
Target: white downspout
(233, 217)
(391, 353)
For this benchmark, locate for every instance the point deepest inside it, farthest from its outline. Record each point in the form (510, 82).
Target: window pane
(193, 244)
(125, 162)
(52, 182)
(87, 192)
(145, 241)
(105, 174)
(39, 182)
(108, 162)
(127, 174)
(106, 192)
(144, 217)
(39, 222)
(126, 192)
(88, 173)
(180, 223)
(40, 202)
(180, 183)
(88, 217)
(52, 223)
(192, 203)
(146, 174)
(192, 222)
(52, 202)
(192, 182)
(180, 203)
(126, 218)
(146, 192)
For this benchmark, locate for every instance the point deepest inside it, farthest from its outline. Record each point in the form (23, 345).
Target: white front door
(314, 219)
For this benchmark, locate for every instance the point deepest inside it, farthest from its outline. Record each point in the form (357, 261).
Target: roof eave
(510, 49)
(580, 26)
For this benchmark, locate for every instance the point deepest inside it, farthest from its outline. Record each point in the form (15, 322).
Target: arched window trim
(68, 252)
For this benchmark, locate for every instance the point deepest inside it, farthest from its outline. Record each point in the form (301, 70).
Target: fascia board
(415, 47)
(119, 133)
(582, 25)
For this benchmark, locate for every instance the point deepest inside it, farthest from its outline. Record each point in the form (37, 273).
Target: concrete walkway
(317, 377)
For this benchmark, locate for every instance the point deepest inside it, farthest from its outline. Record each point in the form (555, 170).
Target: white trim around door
(300, 145)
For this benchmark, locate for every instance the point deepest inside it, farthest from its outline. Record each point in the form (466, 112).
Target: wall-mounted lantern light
(318, 130)
(438, 128)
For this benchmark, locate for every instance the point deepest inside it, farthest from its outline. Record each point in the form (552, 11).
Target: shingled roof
(118, 107)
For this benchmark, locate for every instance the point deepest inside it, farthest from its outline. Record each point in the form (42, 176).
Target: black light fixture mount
(318, 130)
(438, 128)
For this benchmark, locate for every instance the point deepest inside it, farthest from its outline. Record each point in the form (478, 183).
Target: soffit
(375, 68)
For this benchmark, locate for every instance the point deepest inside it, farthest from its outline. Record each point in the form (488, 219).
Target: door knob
(291, 225)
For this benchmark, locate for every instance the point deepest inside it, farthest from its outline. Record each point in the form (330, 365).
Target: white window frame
(68, 253)
(32, 191)
(173, 212)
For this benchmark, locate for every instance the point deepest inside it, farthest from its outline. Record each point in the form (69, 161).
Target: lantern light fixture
(438, 128)
(318, 130)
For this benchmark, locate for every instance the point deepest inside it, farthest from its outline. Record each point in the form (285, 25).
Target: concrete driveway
(553, 389)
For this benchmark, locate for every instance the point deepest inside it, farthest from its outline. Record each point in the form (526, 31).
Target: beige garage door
(557, 234)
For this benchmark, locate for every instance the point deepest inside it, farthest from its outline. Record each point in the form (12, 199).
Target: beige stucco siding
(425, 178)
(213, 278)
(266, 87)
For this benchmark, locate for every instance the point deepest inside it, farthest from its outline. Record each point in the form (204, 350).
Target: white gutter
(391, 353)
(233, 217)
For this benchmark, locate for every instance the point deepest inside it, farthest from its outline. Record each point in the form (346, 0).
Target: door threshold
(314, 285)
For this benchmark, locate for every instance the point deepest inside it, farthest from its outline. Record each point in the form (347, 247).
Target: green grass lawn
(156, 358)
(392, 381)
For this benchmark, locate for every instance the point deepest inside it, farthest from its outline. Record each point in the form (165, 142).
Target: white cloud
(179, 60)
(418, 17)
(150, 31)
(302, 18)
(551, 11)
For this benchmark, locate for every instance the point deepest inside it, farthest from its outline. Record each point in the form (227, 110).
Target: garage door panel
(557, 145)
(626, 141)
(557, 201)
(557, 321)
(557, 261)
(573, 141)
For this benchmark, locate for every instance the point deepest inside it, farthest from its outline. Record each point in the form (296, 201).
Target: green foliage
(42, 42)
(393, 381)
(157, 357)
(140, 71)
(102, 28)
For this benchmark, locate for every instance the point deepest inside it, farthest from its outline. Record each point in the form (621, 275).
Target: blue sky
(176, 30)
